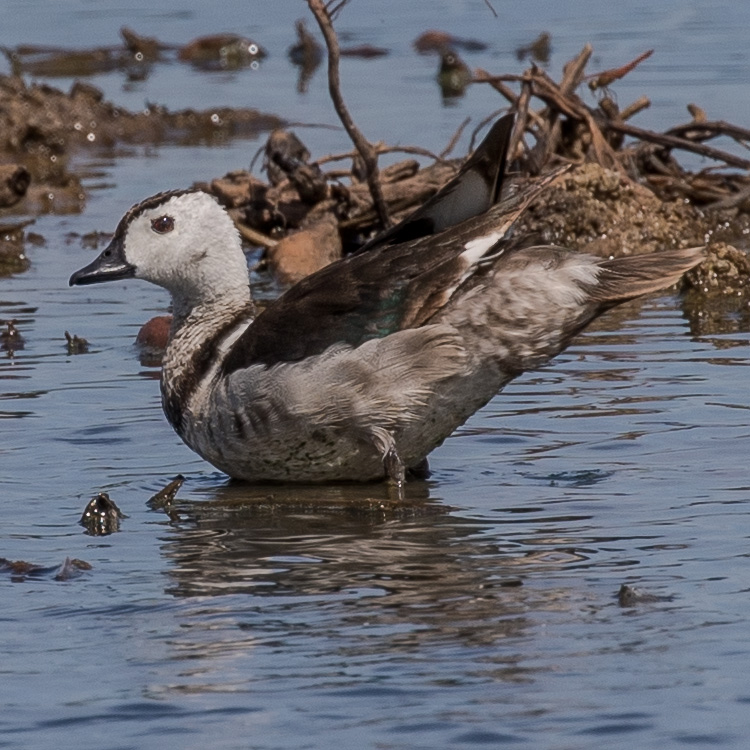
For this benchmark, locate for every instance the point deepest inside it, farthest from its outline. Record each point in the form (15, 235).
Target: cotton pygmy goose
(360, 370)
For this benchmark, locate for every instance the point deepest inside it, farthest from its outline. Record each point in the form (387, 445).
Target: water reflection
(715, 315)
(379, 577)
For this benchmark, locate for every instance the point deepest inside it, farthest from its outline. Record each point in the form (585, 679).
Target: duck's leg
(395, 471)
(396, 474)
(394, 466)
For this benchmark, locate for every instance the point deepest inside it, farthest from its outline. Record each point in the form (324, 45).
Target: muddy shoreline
(308, 211)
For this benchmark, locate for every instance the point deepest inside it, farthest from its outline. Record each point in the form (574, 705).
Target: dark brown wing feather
(372, 294)
(472, 192)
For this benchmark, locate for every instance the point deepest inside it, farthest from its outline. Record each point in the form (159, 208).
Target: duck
(360, 370)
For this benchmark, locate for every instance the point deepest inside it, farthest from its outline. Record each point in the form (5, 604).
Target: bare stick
(490, 117)
(671, 141)
(709, 130)
(572, 76)
(365, 149)
(381, 149)
(489, 5)
(454, 140)
(255, 237)
(522, 114)
(633, 109)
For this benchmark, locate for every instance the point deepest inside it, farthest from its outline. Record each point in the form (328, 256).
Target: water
(484, 613)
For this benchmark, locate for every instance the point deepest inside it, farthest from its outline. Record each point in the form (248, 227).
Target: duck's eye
(163, 224)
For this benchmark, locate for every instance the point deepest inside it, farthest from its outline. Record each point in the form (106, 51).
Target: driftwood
(554, 126)
(324, 15)
(567, 129)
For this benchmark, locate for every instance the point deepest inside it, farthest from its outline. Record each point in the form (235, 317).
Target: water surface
(483, 613)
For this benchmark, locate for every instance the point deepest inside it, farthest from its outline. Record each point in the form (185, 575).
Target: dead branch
(363, 146)
(637, 106)
(672, 141)
(382, 149)
(608, 77)
(454, 139)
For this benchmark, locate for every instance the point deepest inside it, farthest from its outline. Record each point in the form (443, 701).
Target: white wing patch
(222, 351)
(475, 249)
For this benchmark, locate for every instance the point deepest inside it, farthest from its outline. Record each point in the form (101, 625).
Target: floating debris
(56, 62)
(629, 596)
(166, 495)
(13, 257)
(222, 52)
(164, 498)
(306, 53)
(364, 51)
(539, 50)
(76, 345)
(286, 159)
(20, 570)
(453, 76)
(94, 240)
(439, 41)
(142, 48)
(14, 182)
(72, 567)
(40, 127)
(11, 339)
(101, 516)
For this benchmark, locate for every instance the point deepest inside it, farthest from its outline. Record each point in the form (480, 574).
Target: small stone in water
(101, 516)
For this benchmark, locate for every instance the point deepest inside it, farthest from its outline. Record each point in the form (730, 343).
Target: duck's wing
(472, 192)
(376, 293)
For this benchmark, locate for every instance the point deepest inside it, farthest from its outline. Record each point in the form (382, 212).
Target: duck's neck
(195, 346)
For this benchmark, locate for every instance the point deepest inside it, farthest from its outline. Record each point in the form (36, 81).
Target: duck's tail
(625, 278)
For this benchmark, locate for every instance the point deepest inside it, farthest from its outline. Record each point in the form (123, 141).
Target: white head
(183, 241)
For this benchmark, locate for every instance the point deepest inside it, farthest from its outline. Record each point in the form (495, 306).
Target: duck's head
(183, 241)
